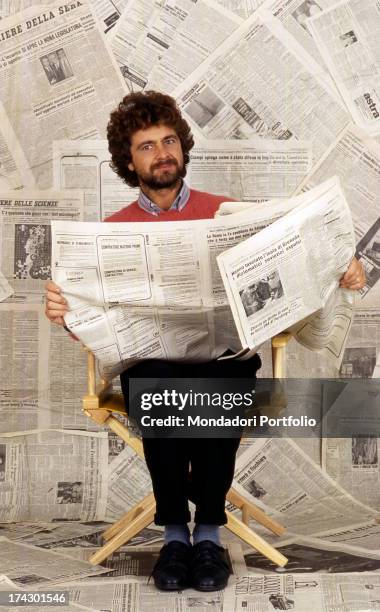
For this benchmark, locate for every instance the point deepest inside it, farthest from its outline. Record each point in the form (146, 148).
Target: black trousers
(199, 469)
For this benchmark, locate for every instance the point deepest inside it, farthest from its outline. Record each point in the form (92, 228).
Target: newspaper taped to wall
(355, 159)
(24, 338)
(108, 13)
(347, 36)
(85, 164)
(75, 475)
(295, 15)
(304, 592)
(242, 8)
(5, 289)
(73, 81)
(253, 170)
(131, 298)
(12, 176)
(240, 91)
(158, 44)
(25, 236)
(266, 295)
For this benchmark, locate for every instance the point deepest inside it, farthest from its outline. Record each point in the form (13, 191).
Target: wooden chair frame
(100, 404)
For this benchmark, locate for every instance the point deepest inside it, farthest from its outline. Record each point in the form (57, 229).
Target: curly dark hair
(138, 111)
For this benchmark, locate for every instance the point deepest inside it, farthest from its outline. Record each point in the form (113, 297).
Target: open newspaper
(277, 279)
(139, 290)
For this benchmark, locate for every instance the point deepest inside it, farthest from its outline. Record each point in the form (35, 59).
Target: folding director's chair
(101, 403)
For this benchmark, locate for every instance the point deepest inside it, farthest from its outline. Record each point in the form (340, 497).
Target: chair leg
(250, 537)
(143, 519)
(128, 517)
(254, 511)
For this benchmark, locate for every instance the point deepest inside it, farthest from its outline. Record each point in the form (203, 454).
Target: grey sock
(206, 532)
(179, 533)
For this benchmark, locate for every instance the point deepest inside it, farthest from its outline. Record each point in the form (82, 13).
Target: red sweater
(200, 205)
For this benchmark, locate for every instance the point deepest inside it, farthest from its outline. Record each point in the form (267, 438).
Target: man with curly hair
(149, 142)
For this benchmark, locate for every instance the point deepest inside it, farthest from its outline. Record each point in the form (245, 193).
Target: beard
(163, 179)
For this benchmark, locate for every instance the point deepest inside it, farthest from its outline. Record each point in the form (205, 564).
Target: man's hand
(354, 278)
(56, 305)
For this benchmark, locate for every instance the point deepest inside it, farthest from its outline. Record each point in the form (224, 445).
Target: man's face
(157, 157)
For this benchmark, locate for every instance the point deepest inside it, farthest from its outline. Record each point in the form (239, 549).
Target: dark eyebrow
(145, 142)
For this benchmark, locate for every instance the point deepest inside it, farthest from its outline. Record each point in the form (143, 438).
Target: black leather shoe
(171, 570)
(209, 567)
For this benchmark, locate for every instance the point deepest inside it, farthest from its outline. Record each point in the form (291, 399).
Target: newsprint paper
(28, 566)
(347, 36)
(317, 239)
(60, 57)
(304, 593)
(25, 236)
(139, 289)
(260, 83)
(253, 170)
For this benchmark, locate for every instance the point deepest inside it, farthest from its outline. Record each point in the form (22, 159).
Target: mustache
(172, 162)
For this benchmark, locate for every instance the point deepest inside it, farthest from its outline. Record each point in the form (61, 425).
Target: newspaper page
(62, 535)
(362, 352)
(73, 81)
(253, 170)
(28, 566)
(108, 12)
(347, 36)
(279, 477)
(158, 44)
(19, 531)
(303, 592)
(355, 159)
(266, 297)
(307, 554)
(206, 28)
(128, 483)
(133, 594)
(294, 15)
(24, 337)
(74, 486)
(240, 92)
(10, 7)
(25, 237)
(352, 459)
(128, 298)
(66, 376)
(85, 164)
(11, 176)
(242, 8)
(5, 289)
(365, 535)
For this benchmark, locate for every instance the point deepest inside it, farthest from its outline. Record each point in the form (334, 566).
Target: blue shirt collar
(179, 203)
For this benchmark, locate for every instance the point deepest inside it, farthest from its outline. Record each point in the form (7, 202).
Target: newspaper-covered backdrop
(281, 96)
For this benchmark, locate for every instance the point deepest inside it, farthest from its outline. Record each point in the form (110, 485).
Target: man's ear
(131, 167)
